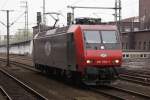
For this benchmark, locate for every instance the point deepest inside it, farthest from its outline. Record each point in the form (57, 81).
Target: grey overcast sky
(129, 8)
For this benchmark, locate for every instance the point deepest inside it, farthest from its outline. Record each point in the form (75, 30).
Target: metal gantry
(25, 5)
(118, 14)
(44, 17)
(117, 9)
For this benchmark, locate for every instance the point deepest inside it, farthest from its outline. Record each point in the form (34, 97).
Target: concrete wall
(24, 48)
(144, 13)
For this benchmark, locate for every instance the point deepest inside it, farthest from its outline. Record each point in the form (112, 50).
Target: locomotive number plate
(103, 62)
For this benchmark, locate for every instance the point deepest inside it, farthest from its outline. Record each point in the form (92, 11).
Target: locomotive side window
(109, 36)
(92, 37)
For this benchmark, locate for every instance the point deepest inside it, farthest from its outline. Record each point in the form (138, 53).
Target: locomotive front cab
(102, 48)
(102, 54)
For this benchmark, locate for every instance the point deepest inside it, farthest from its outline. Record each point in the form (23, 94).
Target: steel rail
(5, 93)
(140, 74)
(134, 80)
(22, 64)
(135, 77)
(130, 92)
(40, 97)
(107, 94)
(91, 89)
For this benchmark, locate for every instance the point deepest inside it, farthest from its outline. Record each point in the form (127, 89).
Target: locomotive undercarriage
(60, 72)
(92, 75)
(99, 76)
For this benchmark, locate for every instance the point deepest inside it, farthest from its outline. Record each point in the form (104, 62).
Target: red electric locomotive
(90, 53)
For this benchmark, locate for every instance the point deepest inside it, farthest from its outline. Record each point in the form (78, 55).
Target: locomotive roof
(92, 27)
(72, 28)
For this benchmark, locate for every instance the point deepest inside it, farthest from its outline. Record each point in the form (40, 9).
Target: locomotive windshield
(95, 39)
(109, 36)
(100, 36)
(92, 37)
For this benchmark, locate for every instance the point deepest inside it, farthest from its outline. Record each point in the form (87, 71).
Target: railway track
(100, 91)
(123, 94)
(13, 57)
(17, 56)
(16, 89)
(114, 92)
(120, 93)
(4, 95)
(141, 72)
(134, 80)
(94, 90)
(30, 67)
(136, 77)
(91, 89)
(22, 57)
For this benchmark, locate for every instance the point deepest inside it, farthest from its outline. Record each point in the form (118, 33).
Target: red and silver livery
(90, 52)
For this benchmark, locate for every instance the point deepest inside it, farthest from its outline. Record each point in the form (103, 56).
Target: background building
(3, 37)
(144, 14)
(130, 24)
(138, 40)
(136, 31)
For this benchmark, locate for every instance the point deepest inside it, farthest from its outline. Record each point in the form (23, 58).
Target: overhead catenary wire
(62, 9)
(117, 9)
(16, 19)
(3, 24)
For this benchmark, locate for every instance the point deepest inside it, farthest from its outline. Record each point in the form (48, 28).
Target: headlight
(117, 61)
(89, 61)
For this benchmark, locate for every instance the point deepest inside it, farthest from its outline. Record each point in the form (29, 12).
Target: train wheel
(77, 79)
(68, 74)
(35, 65)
